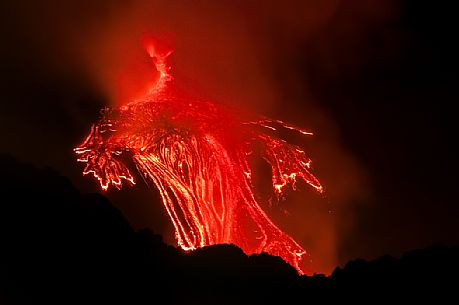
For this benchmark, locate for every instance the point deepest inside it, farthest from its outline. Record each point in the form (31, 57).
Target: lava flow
(197, 155)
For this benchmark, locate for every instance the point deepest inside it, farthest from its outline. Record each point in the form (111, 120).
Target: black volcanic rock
(58, 246)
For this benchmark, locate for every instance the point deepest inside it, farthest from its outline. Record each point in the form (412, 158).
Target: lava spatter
(196, 153)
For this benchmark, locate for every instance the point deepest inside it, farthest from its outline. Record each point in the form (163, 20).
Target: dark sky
(375, 80)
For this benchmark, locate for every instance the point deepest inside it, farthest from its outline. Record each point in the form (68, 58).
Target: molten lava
(197, 155)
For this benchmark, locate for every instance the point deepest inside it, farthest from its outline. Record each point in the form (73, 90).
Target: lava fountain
(196, 153)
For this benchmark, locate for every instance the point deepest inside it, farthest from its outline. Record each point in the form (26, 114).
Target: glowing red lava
(196, 153)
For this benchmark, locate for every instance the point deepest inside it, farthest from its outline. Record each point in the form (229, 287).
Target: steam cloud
(248, 54)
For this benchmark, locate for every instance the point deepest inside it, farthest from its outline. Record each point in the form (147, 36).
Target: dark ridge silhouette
(59, 246)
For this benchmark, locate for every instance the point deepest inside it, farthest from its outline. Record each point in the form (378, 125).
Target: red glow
(196, 153)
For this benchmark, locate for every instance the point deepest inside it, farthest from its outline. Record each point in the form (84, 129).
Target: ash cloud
(300, 61)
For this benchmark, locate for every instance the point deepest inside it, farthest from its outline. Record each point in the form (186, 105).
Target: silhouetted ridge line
(59, 246)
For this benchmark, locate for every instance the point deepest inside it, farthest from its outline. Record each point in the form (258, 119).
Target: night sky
(377, 82)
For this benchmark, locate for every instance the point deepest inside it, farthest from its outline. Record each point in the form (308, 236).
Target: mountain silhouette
(59, 246)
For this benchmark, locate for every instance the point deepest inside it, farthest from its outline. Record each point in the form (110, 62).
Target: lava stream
(196, 153)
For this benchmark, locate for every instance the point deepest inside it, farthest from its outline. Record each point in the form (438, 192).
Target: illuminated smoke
(197, 153)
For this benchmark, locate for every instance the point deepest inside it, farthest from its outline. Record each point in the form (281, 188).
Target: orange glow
(196, 154)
